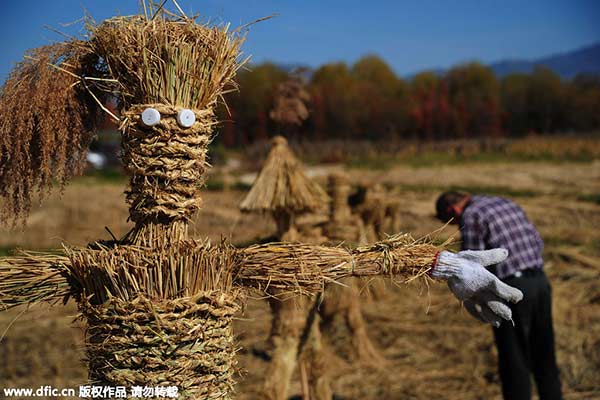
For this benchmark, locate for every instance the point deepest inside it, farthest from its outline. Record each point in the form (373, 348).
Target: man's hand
(483, 294)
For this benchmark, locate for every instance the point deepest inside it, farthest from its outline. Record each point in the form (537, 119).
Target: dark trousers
(528, 347)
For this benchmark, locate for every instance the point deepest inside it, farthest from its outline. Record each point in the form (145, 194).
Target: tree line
(367, 100)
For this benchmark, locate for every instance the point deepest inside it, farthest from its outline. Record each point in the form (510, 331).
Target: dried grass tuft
(181, 269)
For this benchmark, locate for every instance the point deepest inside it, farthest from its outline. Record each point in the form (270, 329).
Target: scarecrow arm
(33, 277)
(303, 268)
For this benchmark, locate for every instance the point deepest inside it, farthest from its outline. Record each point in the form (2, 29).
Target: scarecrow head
(166, 72)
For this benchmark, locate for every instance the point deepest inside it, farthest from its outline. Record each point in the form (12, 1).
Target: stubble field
(434, 350)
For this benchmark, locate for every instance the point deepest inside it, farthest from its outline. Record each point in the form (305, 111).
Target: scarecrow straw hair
(282, 185)
(168, 60)
(47, 121)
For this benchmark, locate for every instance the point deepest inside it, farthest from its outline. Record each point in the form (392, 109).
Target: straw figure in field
(290, 108)
(282, 190)
(379, 212)
(159, 304)
(345, 301)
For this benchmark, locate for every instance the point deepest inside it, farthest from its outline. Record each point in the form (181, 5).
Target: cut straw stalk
(178, 270)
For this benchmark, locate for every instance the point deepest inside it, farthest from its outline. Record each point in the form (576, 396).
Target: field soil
(432, 347)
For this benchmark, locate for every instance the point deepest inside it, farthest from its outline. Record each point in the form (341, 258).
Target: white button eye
(186, 118)
(150, 116)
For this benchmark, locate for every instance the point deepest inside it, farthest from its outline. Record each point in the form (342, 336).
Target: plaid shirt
(490, 222)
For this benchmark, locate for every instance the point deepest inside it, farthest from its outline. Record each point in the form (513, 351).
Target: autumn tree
(514, 95)
(430, 108)
(382, 98)
(334, 101)
(251, 105)
(546, 101)
(474, 99)
(584, 103)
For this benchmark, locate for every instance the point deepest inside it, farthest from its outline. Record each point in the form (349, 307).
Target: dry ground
(434, 349)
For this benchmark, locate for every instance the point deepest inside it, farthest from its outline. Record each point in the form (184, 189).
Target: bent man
(527, 346)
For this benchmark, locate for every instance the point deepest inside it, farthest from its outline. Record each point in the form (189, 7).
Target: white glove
(482, 293)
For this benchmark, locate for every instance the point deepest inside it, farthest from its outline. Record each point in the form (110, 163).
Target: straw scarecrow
(343, 226)
(282, 190)
(378, 211)
(159, 304)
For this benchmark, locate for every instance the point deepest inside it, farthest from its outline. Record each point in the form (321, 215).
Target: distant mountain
(567, 65)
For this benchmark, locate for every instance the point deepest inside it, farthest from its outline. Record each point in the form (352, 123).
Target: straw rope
(187, 342)
(167, 163)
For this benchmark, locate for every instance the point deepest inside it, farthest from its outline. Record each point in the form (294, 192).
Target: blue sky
(409, 35)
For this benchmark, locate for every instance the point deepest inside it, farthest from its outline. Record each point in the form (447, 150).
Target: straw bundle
(179, 270)
(339, 190)
(305, 269)
(30, 277)
(47, 121)
(283, 189)
(371, 204)
(160, 317)
(162, 59)
(282, 184)
(342, 225)
(290, 103)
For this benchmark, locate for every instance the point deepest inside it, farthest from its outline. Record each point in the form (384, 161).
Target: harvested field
(434, 349)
